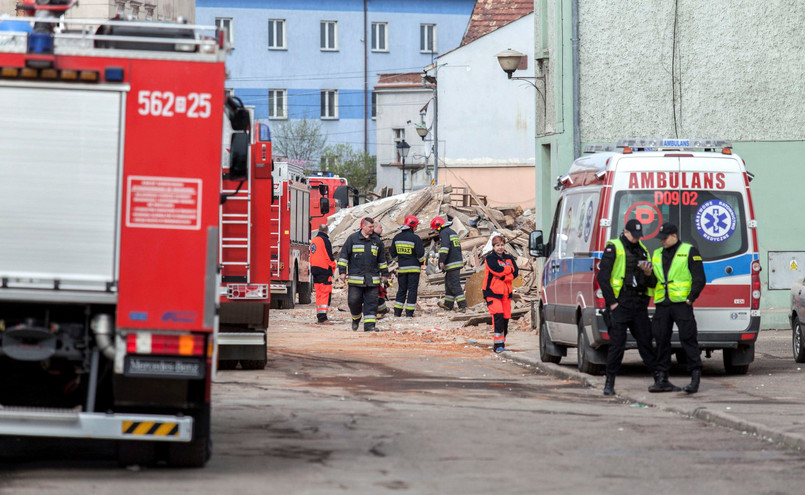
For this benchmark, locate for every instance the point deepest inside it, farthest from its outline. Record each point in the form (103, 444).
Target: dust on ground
(429, 331)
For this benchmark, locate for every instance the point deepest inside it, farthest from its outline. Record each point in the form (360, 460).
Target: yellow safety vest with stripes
(679, 276)
(619, 268)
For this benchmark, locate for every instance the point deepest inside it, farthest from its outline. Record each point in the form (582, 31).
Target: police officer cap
(635, 228)
(667, 229)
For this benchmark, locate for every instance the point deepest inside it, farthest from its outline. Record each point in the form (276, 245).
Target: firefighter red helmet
(411, 221)
(436, 223)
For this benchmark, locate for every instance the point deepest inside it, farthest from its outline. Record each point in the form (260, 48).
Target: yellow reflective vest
(679, 276)
(619, 268)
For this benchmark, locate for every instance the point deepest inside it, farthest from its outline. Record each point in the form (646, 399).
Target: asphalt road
(344, 412)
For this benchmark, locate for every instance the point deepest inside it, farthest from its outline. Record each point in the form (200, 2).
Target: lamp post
(402, 149)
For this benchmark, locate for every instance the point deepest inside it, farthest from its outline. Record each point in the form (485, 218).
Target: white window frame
(427, 41)
(275, 111)
(227, 24)
(380, 37)
(276, 44)
(328, 111)
(324, 36)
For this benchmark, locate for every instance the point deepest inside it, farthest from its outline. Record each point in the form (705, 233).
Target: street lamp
(509, 60)
(402, 149)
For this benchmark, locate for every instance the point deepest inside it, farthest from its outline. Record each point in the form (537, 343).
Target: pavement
(768, 402)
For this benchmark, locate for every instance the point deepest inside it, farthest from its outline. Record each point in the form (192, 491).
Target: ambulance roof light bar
(599, 147)
(660, 144)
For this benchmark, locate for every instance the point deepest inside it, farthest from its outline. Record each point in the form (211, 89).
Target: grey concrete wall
(737, 72)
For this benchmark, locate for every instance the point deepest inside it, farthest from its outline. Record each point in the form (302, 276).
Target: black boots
(661, 383)
(609, 385)
(693, 386)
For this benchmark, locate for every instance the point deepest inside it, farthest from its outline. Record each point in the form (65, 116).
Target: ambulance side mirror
(239, 156)
(324, 205)
(536, 246)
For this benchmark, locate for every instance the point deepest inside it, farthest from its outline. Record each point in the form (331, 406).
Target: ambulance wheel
(253, 364)
(197, 452)
(304, 292)
(798, 341)
(135, 453)
(733, 369)
(585, 366)
(543, 346)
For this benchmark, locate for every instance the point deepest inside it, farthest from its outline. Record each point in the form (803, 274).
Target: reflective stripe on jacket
(363, 259)
(500, 272)
(679, 276)
(450, 249)
(409, 252)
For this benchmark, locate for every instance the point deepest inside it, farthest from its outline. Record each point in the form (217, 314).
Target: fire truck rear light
(29, 73)
(88, 76)
(247, 291)
(113, 74)
(166, 344)
(69, 75)
(9, 72)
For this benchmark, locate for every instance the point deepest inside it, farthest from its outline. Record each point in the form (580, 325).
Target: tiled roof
(490, 15)
(400, 80)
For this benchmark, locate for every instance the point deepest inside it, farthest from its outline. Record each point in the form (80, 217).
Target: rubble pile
(473, 221)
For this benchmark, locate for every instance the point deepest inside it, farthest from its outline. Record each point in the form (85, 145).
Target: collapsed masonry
(473, 221)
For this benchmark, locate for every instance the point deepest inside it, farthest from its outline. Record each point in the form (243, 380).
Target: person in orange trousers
(501, 270)
(322, 265)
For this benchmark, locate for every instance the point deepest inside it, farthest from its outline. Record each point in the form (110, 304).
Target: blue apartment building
(306, 59)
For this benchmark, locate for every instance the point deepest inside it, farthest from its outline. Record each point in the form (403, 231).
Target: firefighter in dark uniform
(626, 280)
(382, 294)
(680, 276)
(408, 251)
(322, 264)
(451, 261)
(363, 258)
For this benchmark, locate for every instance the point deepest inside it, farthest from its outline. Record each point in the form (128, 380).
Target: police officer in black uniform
(679, 272)
(625, 278)
(364, 257)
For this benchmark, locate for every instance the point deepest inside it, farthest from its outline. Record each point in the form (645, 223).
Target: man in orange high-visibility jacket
(322, 264)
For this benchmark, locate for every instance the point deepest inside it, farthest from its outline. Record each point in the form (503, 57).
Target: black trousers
(663, 327)
(407, 290)
(362, 299)
(453, 291)
(501, 327)
(631, 314)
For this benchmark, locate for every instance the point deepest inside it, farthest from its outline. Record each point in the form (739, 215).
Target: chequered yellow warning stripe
(150, 428)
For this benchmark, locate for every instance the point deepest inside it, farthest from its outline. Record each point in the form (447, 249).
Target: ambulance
(698, 184)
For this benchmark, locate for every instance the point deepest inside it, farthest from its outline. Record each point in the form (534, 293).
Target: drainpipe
(365, 79)
(576, 80)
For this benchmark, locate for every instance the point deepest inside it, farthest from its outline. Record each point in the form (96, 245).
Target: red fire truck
(335, 189)
(109, 214)
(290, 237)
(244, 255)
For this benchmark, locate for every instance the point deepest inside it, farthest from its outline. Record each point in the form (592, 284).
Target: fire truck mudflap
(109, 211)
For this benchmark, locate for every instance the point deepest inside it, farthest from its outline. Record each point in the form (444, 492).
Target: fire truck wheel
(253, 364)
(197, 452)
(133, 453)
(304, 292)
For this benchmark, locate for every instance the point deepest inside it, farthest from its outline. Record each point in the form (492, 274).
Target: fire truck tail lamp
(247, 291)
(165, 344)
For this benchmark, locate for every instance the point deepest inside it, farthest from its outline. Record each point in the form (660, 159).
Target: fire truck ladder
(276, 223)
(236, 243)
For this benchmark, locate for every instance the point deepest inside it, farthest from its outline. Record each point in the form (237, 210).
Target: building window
(329, 35)
(399, 136)
(380, 37)
(225, 24)
(329, 104)
(374, 105)
(427, 38)
(276, 34)
(277, 104)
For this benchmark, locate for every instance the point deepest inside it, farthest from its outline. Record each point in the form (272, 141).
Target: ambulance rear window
(713, 221)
